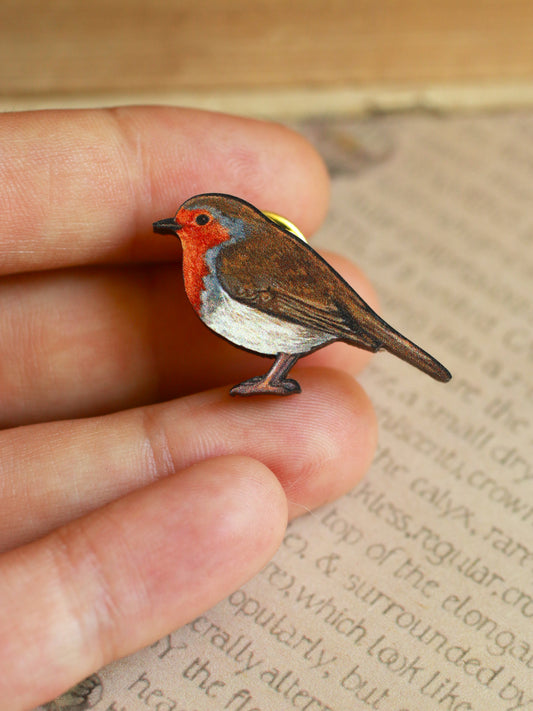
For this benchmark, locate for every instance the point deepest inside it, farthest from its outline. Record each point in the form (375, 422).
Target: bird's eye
(202, 219)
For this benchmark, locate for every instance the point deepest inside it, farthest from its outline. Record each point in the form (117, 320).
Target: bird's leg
(272, 383)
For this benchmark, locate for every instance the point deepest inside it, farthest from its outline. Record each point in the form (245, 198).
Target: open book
(415, 591)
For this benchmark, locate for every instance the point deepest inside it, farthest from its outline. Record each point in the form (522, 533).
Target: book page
(414, 592)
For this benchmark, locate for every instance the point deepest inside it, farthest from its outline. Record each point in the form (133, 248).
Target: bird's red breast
(196, 240)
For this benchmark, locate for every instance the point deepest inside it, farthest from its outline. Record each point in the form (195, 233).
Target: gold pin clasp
(285, 223)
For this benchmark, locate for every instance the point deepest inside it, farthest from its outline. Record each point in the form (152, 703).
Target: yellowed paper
(415, 591)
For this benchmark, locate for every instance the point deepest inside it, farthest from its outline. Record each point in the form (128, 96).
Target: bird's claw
(261, 386)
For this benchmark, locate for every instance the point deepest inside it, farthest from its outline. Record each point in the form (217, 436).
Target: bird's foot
(261, 386)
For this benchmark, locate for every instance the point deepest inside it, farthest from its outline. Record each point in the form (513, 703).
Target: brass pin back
(285, 223)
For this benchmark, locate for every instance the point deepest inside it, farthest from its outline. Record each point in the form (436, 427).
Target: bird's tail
(405, 349)
(387, 338)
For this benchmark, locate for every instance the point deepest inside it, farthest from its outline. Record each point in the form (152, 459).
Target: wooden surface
(62, 46)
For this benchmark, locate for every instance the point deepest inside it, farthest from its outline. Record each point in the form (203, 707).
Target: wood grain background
(69, 46)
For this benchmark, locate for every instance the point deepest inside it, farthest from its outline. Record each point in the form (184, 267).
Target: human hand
(135, 492)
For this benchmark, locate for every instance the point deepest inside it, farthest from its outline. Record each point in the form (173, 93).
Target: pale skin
(135, 492)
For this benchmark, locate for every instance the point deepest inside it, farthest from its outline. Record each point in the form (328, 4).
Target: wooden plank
(62, 46)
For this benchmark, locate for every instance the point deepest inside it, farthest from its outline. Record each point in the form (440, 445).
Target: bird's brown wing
(275, 272)
(278, 274)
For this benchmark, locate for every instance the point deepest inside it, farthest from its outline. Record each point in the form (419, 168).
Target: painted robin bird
(266, 290)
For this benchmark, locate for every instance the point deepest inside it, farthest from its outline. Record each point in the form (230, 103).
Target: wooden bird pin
(267, 291)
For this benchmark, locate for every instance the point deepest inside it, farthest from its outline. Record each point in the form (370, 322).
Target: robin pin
(253, 280)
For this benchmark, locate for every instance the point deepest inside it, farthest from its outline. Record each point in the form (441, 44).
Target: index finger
(79, 187)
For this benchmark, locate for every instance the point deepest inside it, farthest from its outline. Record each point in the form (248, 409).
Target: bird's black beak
(167, 226)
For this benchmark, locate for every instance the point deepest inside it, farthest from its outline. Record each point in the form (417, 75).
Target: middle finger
(84, 342)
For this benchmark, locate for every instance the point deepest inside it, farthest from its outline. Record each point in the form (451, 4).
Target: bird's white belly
(257, 331)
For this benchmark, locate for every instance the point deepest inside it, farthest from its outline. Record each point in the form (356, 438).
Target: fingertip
(303, 195)
(221, 520)
(341, 422)
(266, 163)
(318, 443)
(249, 508)
(232, 513)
